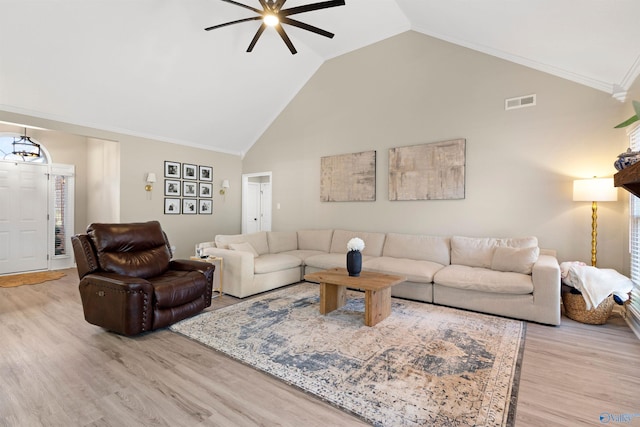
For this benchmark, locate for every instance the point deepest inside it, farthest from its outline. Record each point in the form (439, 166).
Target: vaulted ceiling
(148, 68)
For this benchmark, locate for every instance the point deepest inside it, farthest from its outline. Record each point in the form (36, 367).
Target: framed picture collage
(188, 189)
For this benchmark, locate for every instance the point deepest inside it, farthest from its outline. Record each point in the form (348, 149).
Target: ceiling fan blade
(256, 37)
(244, 5)
(286, 39)
(310, 7)
(255, 18)
(307, 27)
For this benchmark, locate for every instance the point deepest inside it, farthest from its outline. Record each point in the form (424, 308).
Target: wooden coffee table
(376, 286)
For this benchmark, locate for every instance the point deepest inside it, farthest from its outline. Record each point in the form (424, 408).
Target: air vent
(520, 102)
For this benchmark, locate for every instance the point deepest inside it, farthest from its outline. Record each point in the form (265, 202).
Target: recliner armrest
(190, 265)
(122, 304)
(205, 268)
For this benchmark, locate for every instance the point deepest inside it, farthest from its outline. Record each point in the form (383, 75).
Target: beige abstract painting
(348, 177)
(432, 171)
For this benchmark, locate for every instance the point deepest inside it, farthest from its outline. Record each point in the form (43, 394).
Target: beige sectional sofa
(509, 277)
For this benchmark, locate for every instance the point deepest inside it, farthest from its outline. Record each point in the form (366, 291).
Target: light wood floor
(58, 370)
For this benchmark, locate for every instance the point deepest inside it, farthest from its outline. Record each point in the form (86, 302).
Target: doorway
(36, 210)
(256, 202)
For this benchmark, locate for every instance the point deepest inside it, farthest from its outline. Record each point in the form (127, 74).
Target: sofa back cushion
(258, 241)
(517, 260)
(418, 247)
(373, 242)
(134, 249)
(478, 251)
(282, 241)
(315, 240)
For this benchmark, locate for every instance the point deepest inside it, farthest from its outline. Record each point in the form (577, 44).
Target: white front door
(23, 217)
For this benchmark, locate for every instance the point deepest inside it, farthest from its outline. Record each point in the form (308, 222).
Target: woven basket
(575, 308)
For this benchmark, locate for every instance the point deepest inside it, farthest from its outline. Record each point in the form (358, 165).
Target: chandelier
(25, 147)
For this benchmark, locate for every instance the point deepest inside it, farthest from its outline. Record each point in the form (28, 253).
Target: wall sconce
(225, 185)
(151, 178)
(594, 190)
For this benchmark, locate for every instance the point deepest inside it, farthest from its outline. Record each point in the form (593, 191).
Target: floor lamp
(594, 190)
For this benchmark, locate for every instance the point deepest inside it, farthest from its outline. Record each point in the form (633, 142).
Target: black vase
(354, 263)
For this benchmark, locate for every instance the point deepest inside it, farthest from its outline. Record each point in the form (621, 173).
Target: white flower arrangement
(355, 244)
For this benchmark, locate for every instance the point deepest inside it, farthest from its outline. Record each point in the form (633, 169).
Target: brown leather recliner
(128, 282)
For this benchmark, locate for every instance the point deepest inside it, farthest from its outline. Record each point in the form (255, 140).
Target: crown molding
(617, 91)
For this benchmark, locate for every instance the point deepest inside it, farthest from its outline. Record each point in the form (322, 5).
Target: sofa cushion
(419, 247)
(269, 263)
(518, 260)
(478, 251)
(373, 242)
(282, 241)
(471, 251)
(484, 280)
(302, 254)
(327, 261)
(315, 240)
(418, 271)
(258, 241)
(245, 247)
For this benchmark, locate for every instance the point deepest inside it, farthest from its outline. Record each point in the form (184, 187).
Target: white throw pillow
(517, 260)
(244, 247)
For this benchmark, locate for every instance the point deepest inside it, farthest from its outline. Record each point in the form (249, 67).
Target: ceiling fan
(273, 15)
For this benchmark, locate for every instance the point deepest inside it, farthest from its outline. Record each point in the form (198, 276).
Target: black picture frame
(189, 206)
(189, 189)
(205, 206)
(172, 169)
(189, 171)
(206, 173)
(171, 206)
(171, 187)
(205, 190)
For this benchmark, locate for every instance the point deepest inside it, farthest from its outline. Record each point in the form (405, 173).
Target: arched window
(21, 148)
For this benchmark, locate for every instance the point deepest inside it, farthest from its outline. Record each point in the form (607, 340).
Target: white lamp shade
(594, 190)
(225, 183)
(151, 177)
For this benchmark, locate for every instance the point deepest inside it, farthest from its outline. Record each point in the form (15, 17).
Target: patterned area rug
(423, 365)
(11, 281)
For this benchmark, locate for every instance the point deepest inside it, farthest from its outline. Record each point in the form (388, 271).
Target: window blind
(633, 309)
(60, 204)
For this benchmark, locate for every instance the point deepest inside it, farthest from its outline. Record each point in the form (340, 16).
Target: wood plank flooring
(58, 370)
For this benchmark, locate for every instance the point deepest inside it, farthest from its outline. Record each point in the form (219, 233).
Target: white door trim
(268, 176)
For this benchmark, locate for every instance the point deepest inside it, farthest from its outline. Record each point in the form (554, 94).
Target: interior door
(253, 207)
(23, 217)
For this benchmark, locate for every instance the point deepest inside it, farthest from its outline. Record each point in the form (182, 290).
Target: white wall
(110, 190)
(413, 89)
(103, 181)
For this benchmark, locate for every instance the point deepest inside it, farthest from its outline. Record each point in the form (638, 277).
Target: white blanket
(595, 284)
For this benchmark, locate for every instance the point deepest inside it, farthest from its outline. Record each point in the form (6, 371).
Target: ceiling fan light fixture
(273, 15)
(271, 20)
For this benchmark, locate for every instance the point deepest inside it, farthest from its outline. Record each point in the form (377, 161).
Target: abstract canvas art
(348, 177)
(434, 171)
